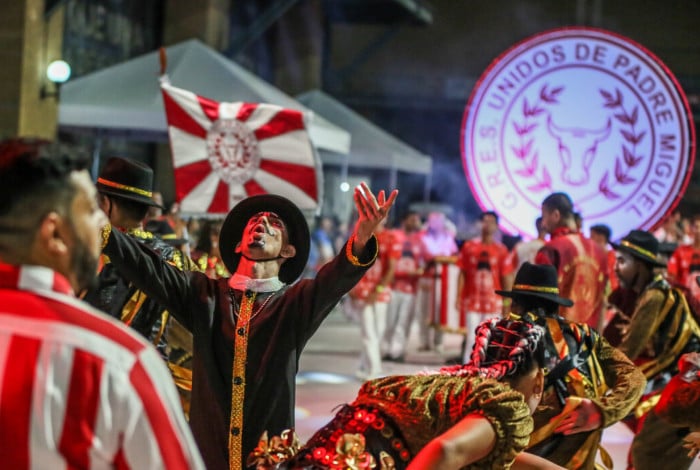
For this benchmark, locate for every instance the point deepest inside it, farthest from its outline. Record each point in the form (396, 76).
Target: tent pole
(393, 178)
(96, 158)
(426, 188)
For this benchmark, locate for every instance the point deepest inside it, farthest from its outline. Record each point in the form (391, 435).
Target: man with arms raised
(249, 330)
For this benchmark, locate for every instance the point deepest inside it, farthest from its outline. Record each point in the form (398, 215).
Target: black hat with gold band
(537, 280)
(642, 245)
(127, 179)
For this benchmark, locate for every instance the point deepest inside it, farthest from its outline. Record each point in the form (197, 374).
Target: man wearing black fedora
(125, 189)
(661, 328)
(589, 385)
(250, 329)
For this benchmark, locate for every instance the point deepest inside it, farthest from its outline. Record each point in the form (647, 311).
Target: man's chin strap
(264, 259)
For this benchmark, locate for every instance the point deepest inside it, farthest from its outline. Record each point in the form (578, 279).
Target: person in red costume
(581, 264)
(484, 267)
(684, 264)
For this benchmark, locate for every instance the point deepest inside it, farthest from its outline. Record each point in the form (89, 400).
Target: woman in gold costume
(472, 416)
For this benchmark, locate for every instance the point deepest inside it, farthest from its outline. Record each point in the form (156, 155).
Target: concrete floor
(326, 379)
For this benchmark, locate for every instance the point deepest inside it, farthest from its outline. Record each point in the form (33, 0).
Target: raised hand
(691, 443)
(372, 210)
(585, 417)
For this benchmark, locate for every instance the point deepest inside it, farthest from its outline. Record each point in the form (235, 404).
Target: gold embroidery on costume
(683, 326)
(580, 386)
(270, 452)
(240, 356)
(350, 454)
(421, 404)
(132, 306)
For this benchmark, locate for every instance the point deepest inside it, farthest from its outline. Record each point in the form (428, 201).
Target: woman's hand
(585, 417)
(692, 443)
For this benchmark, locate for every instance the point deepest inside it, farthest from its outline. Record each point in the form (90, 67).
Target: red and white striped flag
(225, 152)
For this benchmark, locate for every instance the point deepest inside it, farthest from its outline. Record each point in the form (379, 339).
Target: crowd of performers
(91, 366)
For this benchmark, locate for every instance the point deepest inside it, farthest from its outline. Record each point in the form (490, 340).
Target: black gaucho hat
(294, 220)
(642, 245)
(537, 280)
(128, 179)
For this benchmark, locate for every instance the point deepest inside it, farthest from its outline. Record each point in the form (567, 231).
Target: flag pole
(163, 60)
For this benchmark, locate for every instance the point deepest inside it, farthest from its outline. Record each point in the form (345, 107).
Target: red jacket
(583, 273)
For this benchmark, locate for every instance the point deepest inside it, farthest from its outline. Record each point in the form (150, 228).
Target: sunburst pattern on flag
(225, 152)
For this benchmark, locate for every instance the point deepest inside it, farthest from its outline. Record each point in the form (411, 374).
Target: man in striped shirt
(77, 389)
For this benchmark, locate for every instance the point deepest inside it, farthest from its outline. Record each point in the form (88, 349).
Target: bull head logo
(577, 149)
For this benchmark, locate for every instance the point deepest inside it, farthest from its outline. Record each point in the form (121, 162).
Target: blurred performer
(437, 245)
(679, 404)
(206, 253)
(78, 389)
(671, 230)
(589, 385)
(601, 235)
(323, 238)
(469, 416)
(581, 264)
(371, 296)
(484, 266)
(402, 306)
(179, 225)
(125, 188)
(684, 263)
(250, 329)
(526, 251)
(661, 329)
(163, 230)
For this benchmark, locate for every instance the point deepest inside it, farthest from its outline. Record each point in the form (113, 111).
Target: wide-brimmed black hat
(294, 220)
(127, 179)
(642, 245)
(537, 280)
(162, 229)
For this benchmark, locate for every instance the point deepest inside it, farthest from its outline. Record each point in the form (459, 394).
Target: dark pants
(658, 445)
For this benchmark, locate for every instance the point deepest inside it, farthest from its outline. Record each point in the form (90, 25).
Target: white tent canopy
(125, 99)
(370, 147)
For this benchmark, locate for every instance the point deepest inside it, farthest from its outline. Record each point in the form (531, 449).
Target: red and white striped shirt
(78, 390)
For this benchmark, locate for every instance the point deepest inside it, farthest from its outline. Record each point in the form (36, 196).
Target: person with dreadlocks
(589, 384)
(478, 414)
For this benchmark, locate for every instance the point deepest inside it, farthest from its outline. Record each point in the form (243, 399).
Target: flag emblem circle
(233, 150)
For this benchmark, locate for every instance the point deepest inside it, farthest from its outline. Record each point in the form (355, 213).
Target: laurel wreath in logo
(524, 150)
(628, 161)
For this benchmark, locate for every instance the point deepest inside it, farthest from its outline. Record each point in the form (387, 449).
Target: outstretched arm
(525, 461)
(466, 442)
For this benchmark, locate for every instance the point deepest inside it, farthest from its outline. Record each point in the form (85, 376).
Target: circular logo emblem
(585, 112)
(232, 150)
